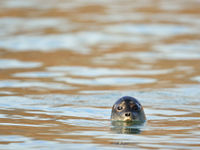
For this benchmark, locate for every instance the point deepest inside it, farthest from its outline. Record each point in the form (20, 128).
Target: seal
(128, 109)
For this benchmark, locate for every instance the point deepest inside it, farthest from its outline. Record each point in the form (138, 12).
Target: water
(63, 64)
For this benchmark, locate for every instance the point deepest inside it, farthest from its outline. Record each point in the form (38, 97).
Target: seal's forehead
(122, 102)
(127, 99)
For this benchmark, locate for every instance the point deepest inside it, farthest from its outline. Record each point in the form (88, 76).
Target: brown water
(64, 63)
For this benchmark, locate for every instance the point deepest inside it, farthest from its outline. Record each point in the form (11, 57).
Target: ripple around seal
(85, 117)
(86, 123)
(108, 81)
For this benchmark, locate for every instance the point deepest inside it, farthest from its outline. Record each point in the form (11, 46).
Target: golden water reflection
(64, 63)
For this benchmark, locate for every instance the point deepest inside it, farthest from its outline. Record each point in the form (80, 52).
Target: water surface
(63, 64)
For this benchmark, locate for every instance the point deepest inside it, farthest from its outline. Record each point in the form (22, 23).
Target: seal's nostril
(127, 114)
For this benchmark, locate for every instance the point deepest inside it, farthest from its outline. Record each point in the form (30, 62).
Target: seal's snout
(127, 114)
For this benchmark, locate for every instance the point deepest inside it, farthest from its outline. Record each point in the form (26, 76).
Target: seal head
(128, 109)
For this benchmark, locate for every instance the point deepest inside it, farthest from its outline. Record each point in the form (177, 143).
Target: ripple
(39, 74)
(29, 84)
(153, 56)
(55, 106)
(181, 51)
(22, 125)
(197, 78)
(79, 100)
(90, 72)
(7, 92)
(10, 102)
(84, 112)
(13, 63)
(19, 4)
(70, 41)
(37, 25)
(108, 81)
(12, 138)
(93, 72)
(150, 29)
(85, 123)
(190, 46)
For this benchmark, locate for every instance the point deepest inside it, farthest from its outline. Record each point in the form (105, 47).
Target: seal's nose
(127, 114)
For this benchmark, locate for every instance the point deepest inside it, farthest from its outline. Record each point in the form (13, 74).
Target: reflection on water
(64, 63)
(122, 127)
(125, 130)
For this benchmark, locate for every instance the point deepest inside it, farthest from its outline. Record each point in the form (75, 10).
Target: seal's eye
(136, 108)
(119, 108)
